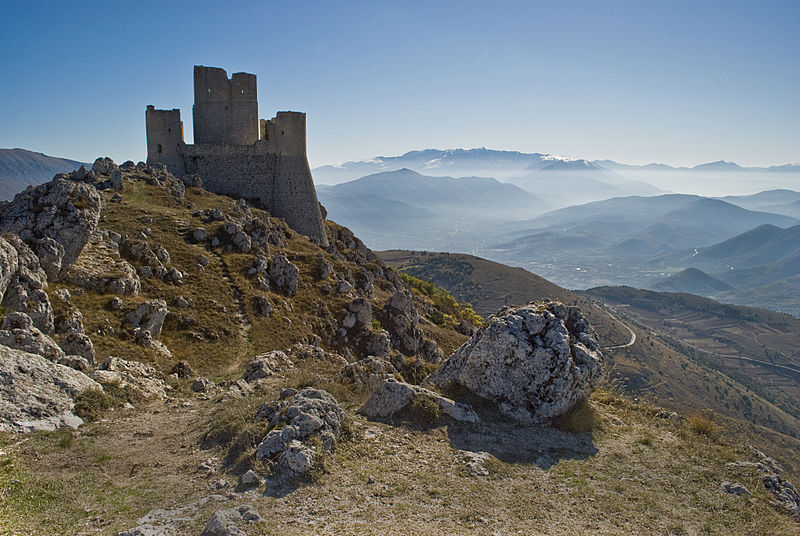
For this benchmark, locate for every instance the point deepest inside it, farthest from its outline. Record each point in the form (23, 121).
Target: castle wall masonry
(238, 155)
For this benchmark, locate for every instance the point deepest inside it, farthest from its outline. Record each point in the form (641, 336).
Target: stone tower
(237, 154)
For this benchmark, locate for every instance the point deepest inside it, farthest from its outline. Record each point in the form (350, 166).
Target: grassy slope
(652, 367)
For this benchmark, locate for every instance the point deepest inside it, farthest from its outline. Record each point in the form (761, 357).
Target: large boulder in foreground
(536, 362)
(37, 394)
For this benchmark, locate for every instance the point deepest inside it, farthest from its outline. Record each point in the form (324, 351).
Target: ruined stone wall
(282, 184)
(225, 110)
(165, 138)
(285, 134)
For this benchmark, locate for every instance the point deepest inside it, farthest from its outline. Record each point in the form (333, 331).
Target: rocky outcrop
(278, 274)
(22, 282)
(19, 333)
(149, 316)
(393, 396)
(266, 365)
(64, 211)
(101, 268)
(37, 394)
(400, 318)
(356, 330)
(301, 352)
(229, 522)
(138, 376)
(536, 362)
(368, 373)
(293, 421)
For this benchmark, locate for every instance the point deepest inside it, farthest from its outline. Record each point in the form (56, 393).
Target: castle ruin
(237, 154)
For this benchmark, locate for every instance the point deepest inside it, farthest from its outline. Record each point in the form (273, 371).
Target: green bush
(444, 301)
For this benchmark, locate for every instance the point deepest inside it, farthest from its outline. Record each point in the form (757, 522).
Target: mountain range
(20, 168)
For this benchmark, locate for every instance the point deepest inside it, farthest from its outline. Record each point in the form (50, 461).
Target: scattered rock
(249, 478)
(183, 370)
(393, 396)
(368, 373)
(202, 385)
(734, 488)
(536, 362)
(183, 303)
(262, 306)
(399, 318)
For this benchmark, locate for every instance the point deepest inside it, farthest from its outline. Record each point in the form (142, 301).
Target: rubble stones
(309, 413)
(392, 396)
(536, 362)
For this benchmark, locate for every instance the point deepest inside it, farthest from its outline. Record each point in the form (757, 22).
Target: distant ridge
(20, 168)
(692, 281)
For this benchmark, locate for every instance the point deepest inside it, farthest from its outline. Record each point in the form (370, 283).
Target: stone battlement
(237, 154)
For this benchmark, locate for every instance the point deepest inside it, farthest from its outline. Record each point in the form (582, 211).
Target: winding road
(633, 333)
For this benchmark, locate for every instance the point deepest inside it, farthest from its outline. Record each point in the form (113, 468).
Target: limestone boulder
(229, 522)
(149, 316)
(101, 267)
(293, 421)
(79, 344)
(393, 396)
(37, 394)
(266, 365)
(535, 362)
(19, 332)
(22, 282)
(65, 211)
(283, 274)
(138, 376)
(368, 373)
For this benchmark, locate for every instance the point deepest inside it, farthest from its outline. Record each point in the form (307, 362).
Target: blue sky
(674, 82)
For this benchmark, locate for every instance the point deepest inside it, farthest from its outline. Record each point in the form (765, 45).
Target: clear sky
(637, 82)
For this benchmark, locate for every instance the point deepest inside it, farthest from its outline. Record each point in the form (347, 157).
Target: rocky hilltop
(178, 362)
